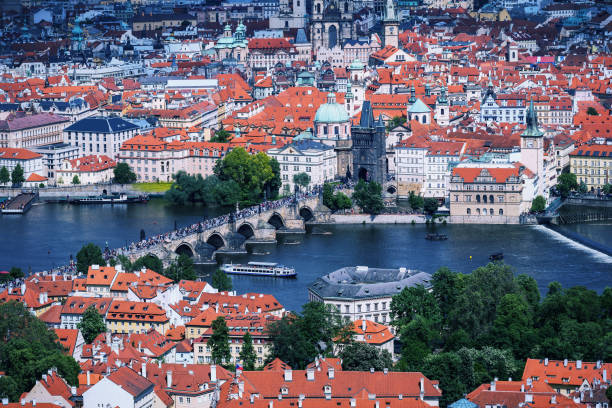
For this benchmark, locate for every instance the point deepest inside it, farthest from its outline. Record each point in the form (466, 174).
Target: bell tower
(391, 25)
(532, 144)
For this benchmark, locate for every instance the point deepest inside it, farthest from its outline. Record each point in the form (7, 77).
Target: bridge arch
(185, 248)
(246, 230)
(216, 240)
(277, 221)
(306, 213)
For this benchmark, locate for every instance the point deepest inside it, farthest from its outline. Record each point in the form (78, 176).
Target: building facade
(27, 131)
(100, 135)
(592, 165)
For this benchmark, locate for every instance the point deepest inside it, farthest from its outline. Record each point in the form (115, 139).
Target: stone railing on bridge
(230, 232)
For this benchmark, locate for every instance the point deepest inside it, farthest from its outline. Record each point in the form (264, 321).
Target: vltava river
(49, 233)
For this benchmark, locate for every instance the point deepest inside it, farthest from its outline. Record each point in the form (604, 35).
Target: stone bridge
(233, 235)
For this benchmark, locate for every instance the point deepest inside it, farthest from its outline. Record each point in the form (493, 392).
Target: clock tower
(391, 25)
(532, 144)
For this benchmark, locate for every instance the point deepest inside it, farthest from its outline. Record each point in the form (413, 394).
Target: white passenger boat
(260, 269)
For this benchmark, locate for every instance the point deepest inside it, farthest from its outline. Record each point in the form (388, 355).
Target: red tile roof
(131, 381)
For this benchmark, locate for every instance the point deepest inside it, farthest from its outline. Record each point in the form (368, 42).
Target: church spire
(531, 120)
(390, 14)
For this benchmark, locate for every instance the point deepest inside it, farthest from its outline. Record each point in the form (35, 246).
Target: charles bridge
(233, 233)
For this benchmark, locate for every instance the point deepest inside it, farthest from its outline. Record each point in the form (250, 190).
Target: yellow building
(592, 164)
(489, 13)
(136, 317)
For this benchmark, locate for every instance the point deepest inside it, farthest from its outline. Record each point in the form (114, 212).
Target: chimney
(422, 387)
(578, 364)
(604, 375)
(271, 404)
(330, 373)
(363, 325)
(385, 371)
(23, 401)
(353, 402)
(240, 388)
(169, 379)
(598, 364)
(89, 377)
(23, 288)
(529, 398)
(565, 363)
(44, 377)
(299, 403)
(33, 402)
(143, 370)
(377, 405)
(310, 374)
(159, 364)
(288, 375)
(4, 401)
(522, 387)
(252, 399)
(73, 390)
(546, 362)
(553, 399)
(213, 373)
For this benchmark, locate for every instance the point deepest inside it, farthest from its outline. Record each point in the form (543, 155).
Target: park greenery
(92, 324)
(335, 201)
(301, 179)
(27, 350)
(368, 196)
(5, 176)
(124, 174)
(221, 281)
(17, 176)
(89, 254)
(538, 204)
(238, 178)
(566, 183)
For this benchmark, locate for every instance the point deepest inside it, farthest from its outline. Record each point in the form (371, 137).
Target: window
(469, 211)
(501, 212)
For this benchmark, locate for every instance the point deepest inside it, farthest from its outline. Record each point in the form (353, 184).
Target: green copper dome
(356, 65)
(331, 112)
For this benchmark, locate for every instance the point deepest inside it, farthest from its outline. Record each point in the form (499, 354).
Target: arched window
(469, 211)
(324, 130)
(484, 211)
(477, 198)
(484, 198)
(478, 211)
(442, 111)
(491, 211)
(346, 7)
(491, 199)
(425, 119)
(501, 212)
(336, 130)
(318, 7)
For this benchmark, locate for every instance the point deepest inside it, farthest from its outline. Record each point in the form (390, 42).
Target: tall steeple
(531, 120)
(391, 25)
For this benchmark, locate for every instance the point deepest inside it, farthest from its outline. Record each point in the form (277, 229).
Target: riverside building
(360, 292)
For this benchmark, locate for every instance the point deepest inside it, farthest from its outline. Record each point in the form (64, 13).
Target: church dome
(331, 112)
(356, 65)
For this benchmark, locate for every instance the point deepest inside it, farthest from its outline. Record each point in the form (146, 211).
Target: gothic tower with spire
(391, 25)
(532, 144)
(369, 150)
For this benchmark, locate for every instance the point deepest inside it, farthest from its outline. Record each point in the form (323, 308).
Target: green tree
(92, 324)
(220, 136)
(430, 205)
(606, 189)
(342, 201)
(298, 338)
(446, 286)
(219, 342)
(17, 177)
(368, 196)
(328, 196)
(609, 393)
(416, 201)
(362, 356)
(592, 111)
(88, 255)
(565, 183)
(125, 262)
(181, 269)
(273, 185)
(513, 327)
(396, 121)
(187, 189)
(75, 180)
(16, 273)
(538, 204)
(149, 261)
(247, 353)
(301, 179)
(582, 187)
(27, 350)
(5, 177)
(250, 172)
(124, 174)
(221, 281)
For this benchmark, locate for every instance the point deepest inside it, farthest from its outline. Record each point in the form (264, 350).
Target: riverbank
(53, 193)
(378, 219)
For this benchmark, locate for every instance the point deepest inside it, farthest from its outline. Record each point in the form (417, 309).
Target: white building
(53, 156)
(359, 292)
(89, 169)
(99, 135)
(30, 162)
(124, 388)
(439, 161)
(305, 156)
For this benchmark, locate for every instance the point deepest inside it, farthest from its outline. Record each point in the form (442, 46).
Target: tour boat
(260, 269)
(498, 256)
(111, 199)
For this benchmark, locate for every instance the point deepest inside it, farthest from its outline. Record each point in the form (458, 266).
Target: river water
(49, 233)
